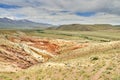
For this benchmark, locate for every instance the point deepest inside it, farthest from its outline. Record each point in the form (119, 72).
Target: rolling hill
(84, 27)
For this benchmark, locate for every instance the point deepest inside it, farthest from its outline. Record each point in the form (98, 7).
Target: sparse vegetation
(86, 55)
(94, 58)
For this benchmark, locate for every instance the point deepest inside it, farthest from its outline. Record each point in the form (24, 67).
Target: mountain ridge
(24, 23)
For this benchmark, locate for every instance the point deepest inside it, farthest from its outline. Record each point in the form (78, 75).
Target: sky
(63, 11)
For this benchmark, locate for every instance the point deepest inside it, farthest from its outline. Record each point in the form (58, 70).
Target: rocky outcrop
(25, 51)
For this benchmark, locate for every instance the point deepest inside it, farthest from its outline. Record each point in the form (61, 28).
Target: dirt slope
(25, 51)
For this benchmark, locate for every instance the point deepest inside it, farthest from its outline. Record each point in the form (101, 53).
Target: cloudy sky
(63, 11)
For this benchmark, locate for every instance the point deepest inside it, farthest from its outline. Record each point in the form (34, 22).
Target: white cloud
(107, 11)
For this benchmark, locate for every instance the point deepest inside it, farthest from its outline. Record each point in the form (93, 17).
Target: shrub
(94, 58)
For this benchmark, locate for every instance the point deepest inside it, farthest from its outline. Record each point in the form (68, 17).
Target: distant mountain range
(7, 23)
(85, 27)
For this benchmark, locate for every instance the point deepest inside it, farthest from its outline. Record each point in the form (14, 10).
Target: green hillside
(81, 27)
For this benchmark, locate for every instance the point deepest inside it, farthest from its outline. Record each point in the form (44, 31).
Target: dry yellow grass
(97, 61)
(92, 48)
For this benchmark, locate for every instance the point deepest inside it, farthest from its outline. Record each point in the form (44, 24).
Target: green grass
(98, 36)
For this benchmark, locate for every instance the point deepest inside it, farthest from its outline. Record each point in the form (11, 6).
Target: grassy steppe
(103, 65)
(102, 36)
(99, 61)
